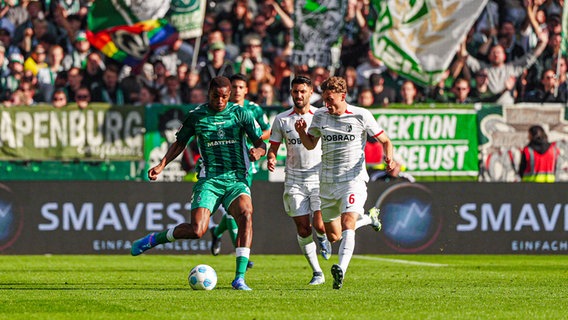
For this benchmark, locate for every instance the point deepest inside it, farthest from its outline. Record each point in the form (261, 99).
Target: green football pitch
(375, 287)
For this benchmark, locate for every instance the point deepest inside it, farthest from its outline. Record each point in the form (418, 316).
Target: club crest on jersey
(221, 133)
(348, 128)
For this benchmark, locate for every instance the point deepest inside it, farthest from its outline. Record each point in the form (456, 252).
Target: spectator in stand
(273, 25)
(11, 82)
(83, 97)
(365, 98)
(479, 91)
(197, 95)
(547, 91)
(241, 18)
(499, 72)
(46, 76)
(4, 71)
(382, 95)
(59, 99)
(408, 93)
(147, 96)
(267, 96)
(74, 82)
(171, 55)
(36, 60)
(251, 54)
(172, 94)
(350, 76)
(507, 39)
(371, 65)
(78, 55)
(560, 66)
(181, 71)
(261, 73)
(355, 35)
(109, 90)
(232, 50)
(28, 90)
(192, 81)
(216, 64)
(6, 40)
(159, 76)
(460, 91)
(94, 69)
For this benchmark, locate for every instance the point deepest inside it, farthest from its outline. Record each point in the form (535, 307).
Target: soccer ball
(202, 277)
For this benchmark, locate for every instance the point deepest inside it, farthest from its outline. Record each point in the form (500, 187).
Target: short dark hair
(302, 80)
(239, 76)
(219, 82)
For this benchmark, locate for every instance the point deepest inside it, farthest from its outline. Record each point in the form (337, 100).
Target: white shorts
(300, 200)
(338, 198)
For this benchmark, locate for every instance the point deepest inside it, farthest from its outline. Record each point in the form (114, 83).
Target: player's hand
(154, 172)
(300, 125)
(271, 164)
(392, 168)
(255, 153)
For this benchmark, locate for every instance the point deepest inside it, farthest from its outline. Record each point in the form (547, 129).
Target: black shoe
(215, 244)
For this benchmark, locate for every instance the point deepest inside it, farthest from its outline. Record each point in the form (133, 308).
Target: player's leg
(319, 227)
(317, 221)
(217, 232)
(240, 207)
(193, 230)
(308, 247)
(352, 203)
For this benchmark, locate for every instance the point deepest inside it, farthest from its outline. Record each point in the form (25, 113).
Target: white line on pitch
(417, 263)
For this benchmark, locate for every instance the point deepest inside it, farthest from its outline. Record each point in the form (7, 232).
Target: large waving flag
(419, 38)
(317, 27)
(131, 45)
(127, 30)
(564, 43)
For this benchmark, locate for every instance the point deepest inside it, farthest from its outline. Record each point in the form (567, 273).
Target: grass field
(375, 287)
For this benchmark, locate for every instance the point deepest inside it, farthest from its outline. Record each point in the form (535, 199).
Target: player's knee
(305, 231)
(333, 237)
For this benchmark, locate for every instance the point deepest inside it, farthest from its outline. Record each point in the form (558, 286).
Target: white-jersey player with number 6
(301, 191)
(343, 130)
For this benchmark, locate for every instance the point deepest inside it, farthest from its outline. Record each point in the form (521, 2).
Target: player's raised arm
(173, 151)
(309, 141)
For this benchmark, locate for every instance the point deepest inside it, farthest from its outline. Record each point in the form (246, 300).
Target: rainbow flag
(132, 44)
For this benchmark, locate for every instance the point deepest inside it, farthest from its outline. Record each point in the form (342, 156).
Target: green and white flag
(564, 43)
(317, 27)
(187, 17)
(105, 14)
(419, 38)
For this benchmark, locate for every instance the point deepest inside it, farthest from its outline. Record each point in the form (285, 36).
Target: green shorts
(211, 193)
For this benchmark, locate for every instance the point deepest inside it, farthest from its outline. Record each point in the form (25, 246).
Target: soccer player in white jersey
(343, 129)
(301, 191)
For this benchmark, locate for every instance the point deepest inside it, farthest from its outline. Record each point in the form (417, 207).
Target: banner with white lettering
(101, 132)
(430, 218)
(434, 143)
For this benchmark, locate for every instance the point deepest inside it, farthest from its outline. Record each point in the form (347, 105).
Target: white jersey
(343, 142)
(302, 165)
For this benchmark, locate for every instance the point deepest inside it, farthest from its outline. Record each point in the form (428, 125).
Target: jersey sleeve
(186, 131)
(276, 131)
(371, 124)
(315, 129)
(251, 127)
(261, 118)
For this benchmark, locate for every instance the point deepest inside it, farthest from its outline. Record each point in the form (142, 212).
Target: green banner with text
(99, 133)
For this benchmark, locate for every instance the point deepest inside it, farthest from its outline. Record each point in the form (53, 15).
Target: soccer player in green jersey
(221, 128)
(239, 90)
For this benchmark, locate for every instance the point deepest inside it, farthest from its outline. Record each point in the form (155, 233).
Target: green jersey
(258, 114)
(221, 139)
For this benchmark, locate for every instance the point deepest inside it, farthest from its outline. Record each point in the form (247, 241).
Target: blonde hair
(335, 85)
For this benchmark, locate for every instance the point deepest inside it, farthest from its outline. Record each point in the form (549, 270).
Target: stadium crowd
(511, 54)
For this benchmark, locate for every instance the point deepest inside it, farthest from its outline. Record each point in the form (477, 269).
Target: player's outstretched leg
(325, 246)
(337, 274)
(373, 213)
(242, 254)
(215, 243)
(148, 242)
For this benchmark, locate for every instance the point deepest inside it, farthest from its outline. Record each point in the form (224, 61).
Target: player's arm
(173, 151)
(258, 151)
(309, 141)
(388, 150)
(271, 156)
